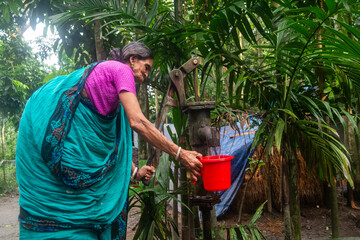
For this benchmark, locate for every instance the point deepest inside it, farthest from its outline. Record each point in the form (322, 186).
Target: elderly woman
(74, 150)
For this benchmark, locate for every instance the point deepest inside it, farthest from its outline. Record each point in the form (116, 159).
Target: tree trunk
(268, 188)
(333, 198)
(143, 101)
(281, 191)
(353, 146)
(99, 44)
(356, 160)
(354, 152)
(185, 214)
(349, 143)
(285, 195)
(156, 102)
(334, 212)
(293, 188)
(178, 10)
(350, 196)
(175, 204)
(319, 71)
(259, 50)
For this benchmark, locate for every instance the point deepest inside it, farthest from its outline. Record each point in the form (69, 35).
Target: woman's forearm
(151, 134)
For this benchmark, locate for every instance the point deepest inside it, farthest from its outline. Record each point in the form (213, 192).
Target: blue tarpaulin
(238, 145)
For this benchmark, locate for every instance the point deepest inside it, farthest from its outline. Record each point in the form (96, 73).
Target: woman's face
(141, 68)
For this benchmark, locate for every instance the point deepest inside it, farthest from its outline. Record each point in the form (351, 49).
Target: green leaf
(351, 29)
(278, 133)
(288, 112)
(258, 25)
(240, 4)
(140, 8)
(314, 123)
(265, 13)
(244, 33)
(6, 13)
(347, 40)
(13, 6)
(311, 106)
(257, 139)
(130, 7)
(311, 24)
(229, 70)
(270, 140)
(300, 29)
(248, 29)
(20, 86)
(228, 234)
(244, 235)
(150, 233)
(318, 12)
(328, 108)
(235, 37)
(331, 5)
(152, 13)
(340, 118)
(352, 120)
(257, 214)
(178, 119)
(346, 5)
(219, 83)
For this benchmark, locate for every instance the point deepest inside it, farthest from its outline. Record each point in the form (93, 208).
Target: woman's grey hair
(132, 49)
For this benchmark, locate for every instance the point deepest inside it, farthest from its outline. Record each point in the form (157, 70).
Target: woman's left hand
(145, 171)
(190, 159)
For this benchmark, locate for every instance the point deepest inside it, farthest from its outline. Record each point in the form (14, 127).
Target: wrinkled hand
(145, 171)
(190, 159)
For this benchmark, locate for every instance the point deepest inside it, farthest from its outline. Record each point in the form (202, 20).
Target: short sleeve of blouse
(105, 83)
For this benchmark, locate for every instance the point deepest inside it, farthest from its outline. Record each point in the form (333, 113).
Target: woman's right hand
(146, 171)
(190, 159)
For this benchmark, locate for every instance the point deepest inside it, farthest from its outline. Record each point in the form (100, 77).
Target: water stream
(214, 151)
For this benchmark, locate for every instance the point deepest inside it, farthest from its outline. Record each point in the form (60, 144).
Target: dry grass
(269, 175)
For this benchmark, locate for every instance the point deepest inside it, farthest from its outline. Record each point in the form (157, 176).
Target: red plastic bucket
(216, 172)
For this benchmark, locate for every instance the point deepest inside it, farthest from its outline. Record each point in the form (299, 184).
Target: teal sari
(73, 164)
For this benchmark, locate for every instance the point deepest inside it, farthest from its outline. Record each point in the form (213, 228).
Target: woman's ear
(133, 59)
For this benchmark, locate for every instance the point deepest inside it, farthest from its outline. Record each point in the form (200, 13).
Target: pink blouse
(105, 83)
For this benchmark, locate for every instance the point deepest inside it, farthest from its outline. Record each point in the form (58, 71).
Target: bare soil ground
(9, 225)
(316, 222)
(9, 210)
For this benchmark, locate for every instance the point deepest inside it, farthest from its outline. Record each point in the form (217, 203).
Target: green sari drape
(73, 164)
